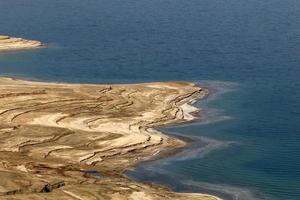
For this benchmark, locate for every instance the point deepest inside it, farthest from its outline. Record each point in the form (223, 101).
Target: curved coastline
(198, 147)
(25, 106)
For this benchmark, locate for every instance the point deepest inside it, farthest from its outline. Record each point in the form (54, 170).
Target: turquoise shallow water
(250, 45)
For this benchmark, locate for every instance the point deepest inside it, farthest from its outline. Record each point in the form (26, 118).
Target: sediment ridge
(8, 43)
(74, 141)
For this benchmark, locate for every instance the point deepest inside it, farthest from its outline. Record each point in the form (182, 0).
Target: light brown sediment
(51, 134)
(8, 43)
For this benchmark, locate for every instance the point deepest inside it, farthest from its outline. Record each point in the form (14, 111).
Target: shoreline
(200, 145)
(128, 148)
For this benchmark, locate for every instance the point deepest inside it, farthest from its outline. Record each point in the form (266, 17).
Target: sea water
(248, 143)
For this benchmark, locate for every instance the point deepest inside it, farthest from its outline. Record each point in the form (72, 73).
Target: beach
(76, 140)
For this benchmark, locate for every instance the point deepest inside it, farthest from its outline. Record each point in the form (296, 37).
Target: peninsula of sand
(74, 141)
(8, 43)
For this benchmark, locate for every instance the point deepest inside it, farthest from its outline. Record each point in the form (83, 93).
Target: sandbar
(8, 43)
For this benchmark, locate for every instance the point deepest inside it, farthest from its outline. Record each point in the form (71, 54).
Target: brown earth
(52, 135)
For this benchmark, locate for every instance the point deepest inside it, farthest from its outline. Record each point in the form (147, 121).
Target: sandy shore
(52, 134)
(8, 43)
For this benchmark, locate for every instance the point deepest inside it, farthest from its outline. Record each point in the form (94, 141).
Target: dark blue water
(253, 43)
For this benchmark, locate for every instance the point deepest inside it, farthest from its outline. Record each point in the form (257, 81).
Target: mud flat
(8, 43)
(52, 136)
